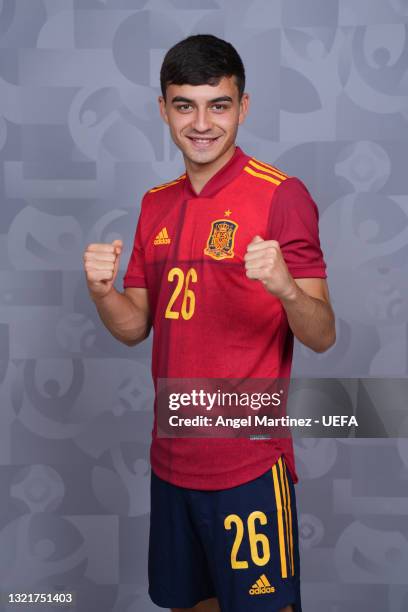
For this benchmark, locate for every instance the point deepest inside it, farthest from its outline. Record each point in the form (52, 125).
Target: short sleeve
(294, 223)
(135, 273)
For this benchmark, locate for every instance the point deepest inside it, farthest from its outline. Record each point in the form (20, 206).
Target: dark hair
(201, 59)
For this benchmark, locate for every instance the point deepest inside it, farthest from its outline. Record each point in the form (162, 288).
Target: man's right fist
(101, 263)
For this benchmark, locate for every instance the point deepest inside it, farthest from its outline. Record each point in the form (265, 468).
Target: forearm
(122, 318)
(311, 319)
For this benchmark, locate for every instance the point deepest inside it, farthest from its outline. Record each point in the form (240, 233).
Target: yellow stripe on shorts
(288, 511)
(290, 516)
(279, 514)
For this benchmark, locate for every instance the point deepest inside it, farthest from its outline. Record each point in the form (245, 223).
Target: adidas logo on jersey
(261, 587)
(162, 237)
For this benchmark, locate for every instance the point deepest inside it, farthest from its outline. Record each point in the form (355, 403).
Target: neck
(200, 174)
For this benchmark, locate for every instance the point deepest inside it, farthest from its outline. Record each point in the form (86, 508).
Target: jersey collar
(221, 178)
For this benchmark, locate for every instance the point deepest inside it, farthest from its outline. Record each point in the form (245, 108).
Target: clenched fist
(264, 261)
(101, 263)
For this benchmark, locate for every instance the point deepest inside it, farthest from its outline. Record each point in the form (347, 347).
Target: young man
(227, 267)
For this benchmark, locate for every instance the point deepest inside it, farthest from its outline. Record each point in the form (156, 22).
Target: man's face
(204, 119)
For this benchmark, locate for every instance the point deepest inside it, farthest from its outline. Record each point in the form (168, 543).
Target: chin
(202, 158)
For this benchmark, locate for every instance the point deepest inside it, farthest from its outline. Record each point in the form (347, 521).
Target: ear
(243, 107)
(162, 108)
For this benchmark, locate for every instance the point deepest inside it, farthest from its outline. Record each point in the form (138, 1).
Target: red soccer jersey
(179, 236)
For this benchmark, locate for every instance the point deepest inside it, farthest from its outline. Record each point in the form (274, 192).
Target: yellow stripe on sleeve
(266, 177)
(164, 185)
(276, 171)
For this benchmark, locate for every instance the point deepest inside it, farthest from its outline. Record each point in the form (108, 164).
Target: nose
(201, 121)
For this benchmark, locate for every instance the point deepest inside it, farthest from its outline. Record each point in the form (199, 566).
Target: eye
(220, 106)
(183, 107)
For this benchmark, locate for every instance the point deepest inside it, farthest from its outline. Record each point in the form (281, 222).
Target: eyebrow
(213, 101)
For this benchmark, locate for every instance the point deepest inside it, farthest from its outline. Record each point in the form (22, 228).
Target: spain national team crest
(220, 243)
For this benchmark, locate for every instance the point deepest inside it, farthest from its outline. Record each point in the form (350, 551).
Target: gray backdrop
(80, 142)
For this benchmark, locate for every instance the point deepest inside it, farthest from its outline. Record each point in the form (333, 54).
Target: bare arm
(310, 314)
(306, 300)
(126, 315)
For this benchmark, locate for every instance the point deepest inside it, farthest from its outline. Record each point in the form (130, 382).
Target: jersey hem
(214, 483)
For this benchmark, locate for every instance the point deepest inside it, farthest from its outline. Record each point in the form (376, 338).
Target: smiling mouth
(202, 140)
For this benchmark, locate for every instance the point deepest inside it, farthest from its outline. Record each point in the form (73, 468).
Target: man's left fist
(264, 261)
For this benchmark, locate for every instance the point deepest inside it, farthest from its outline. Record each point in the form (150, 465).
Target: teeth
(203, 140)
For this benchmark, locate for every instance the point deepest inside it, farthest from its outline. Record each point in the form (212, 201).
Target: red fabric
(238, 329)
(294, 224)
(135, 275)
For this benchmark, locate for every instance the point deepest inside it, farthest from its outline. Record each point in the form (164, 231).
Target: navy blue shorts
(239, 544)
